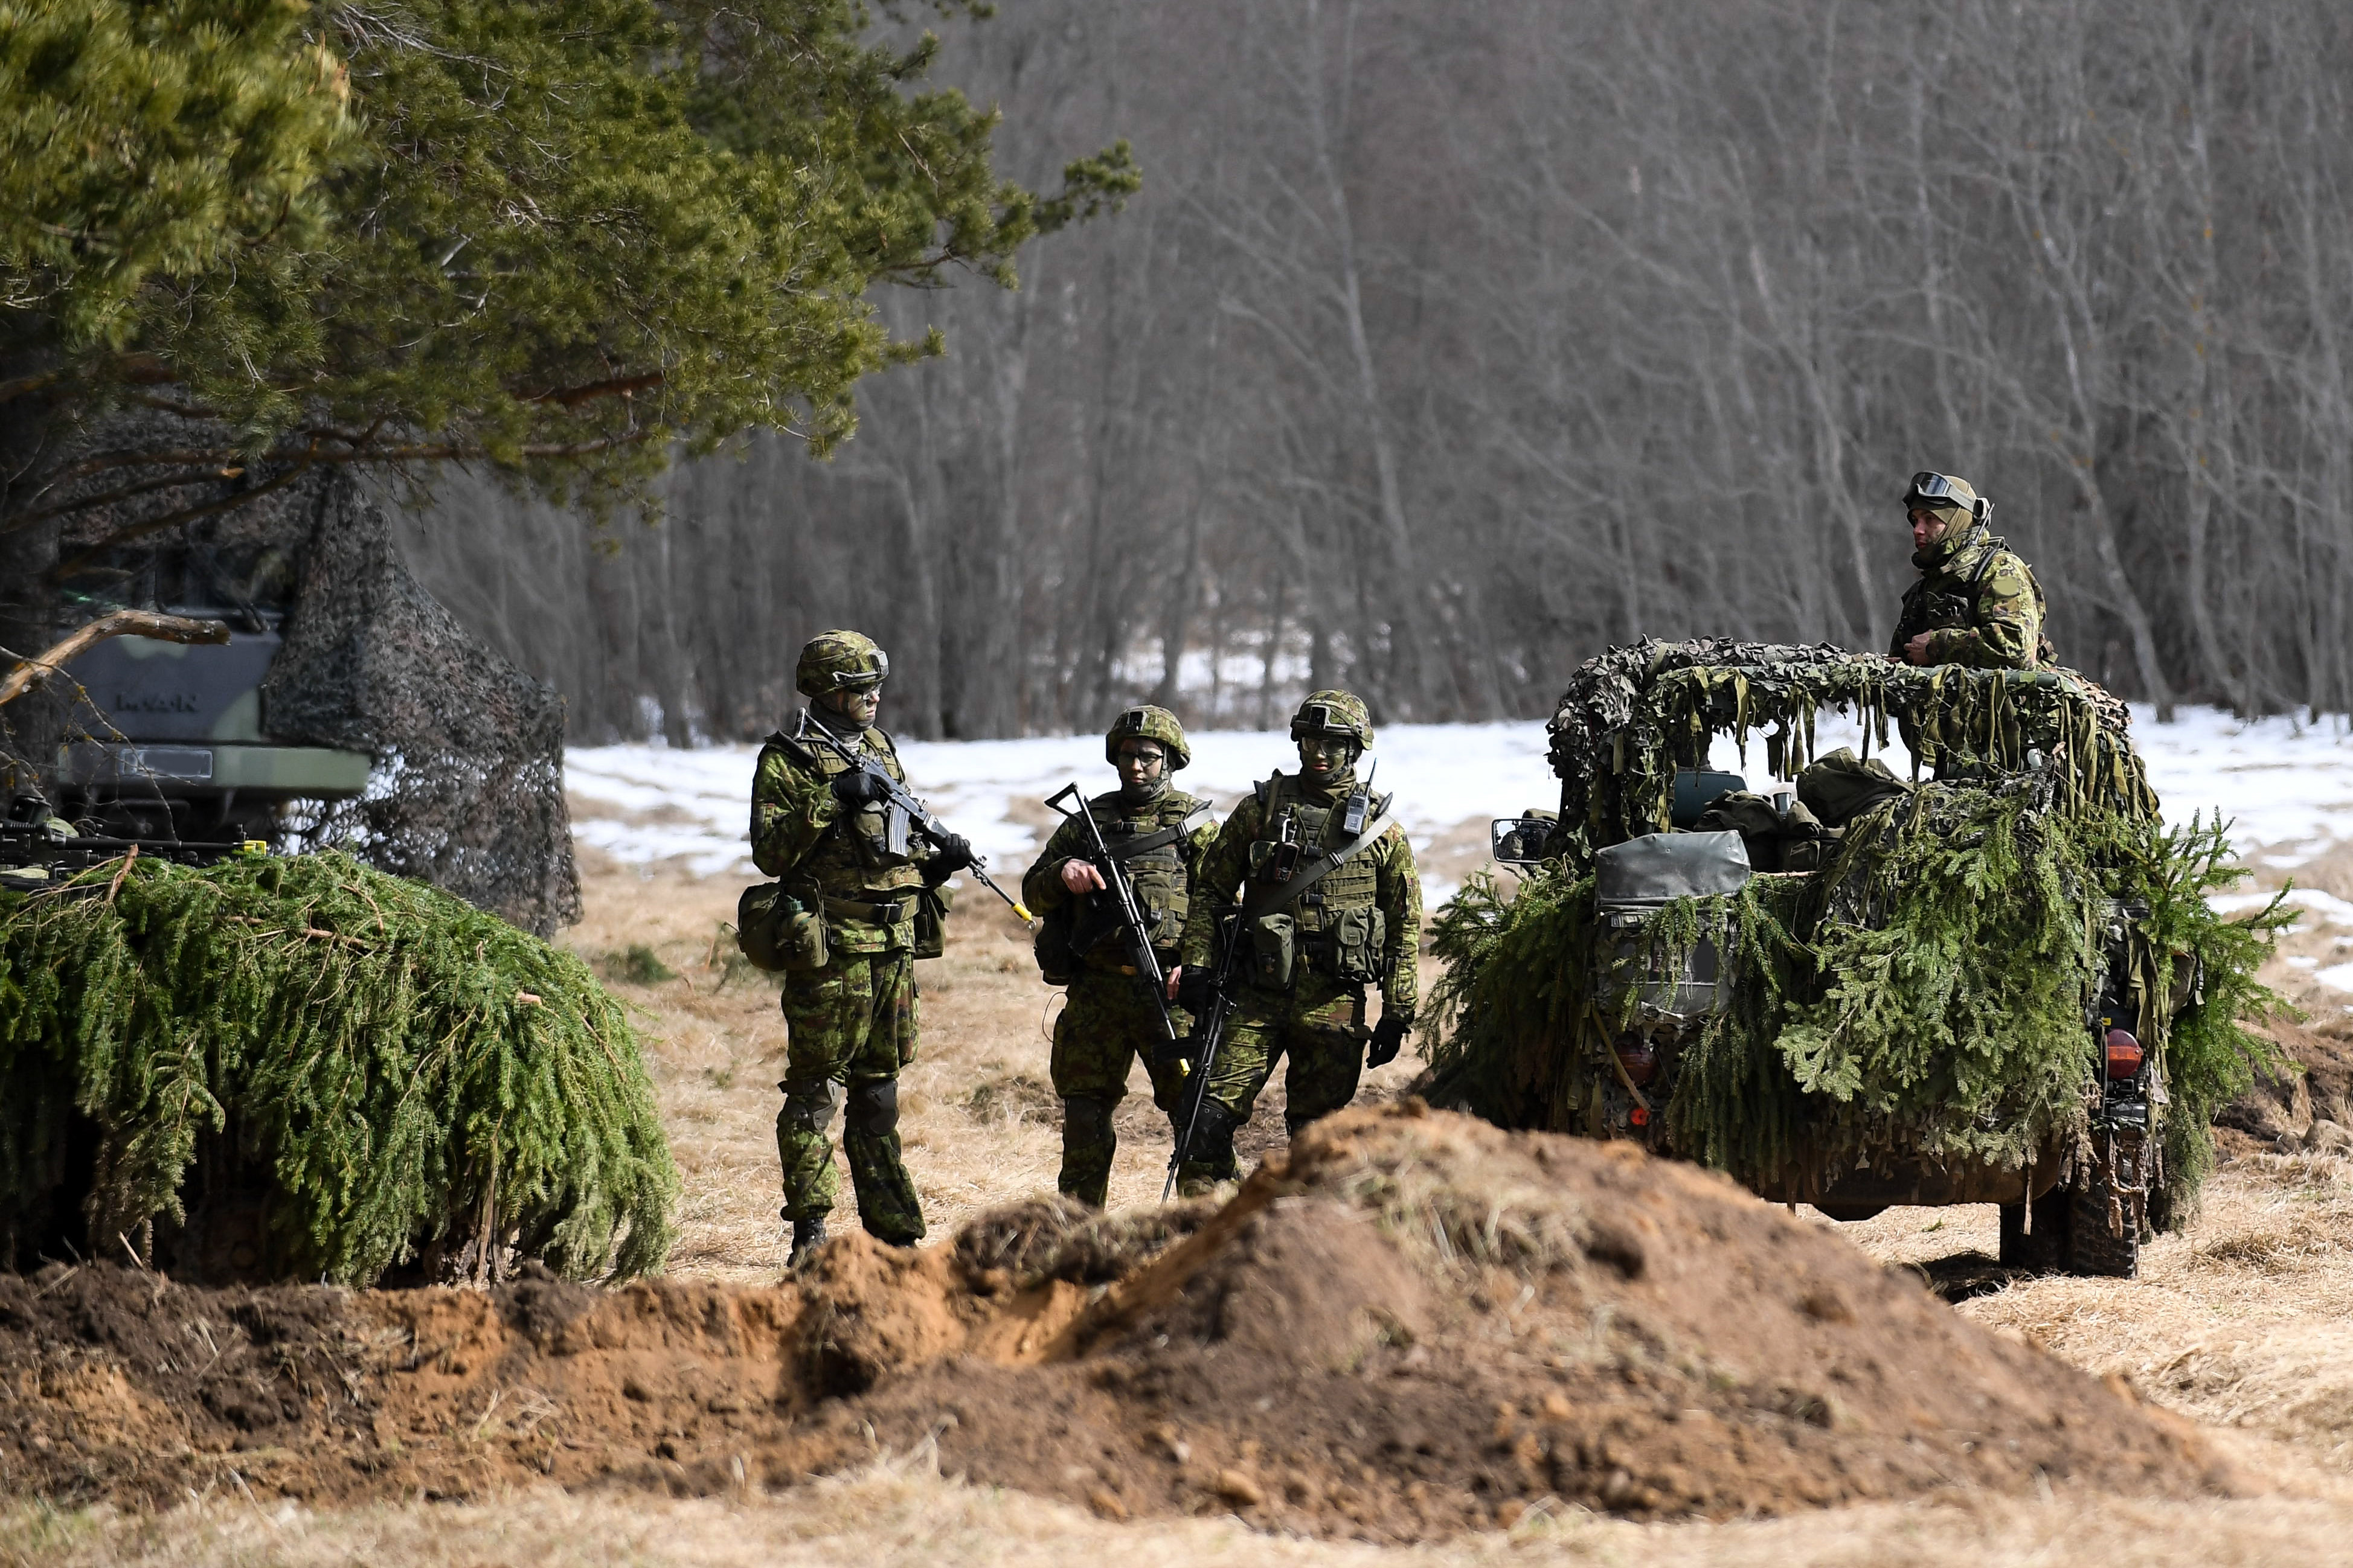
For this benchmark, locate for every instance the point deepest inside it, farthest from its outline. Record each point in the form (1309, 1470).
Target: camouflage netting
(468, 791)
(468, 786)
(1635, 714)
(1928, 990)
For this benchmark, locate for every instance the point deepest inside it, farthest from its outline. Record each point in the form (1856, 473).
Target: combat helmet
(1332, 713)
(835, 661)
(1149, 724)
(1931, 491)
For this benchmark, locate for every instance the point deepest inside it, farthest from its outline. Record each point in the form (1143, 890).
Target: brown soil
(1412, 1325)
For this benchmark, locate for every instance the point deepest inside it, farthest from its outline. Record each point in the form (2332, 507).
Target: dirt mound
(1413, 1324)
(2308, 1107)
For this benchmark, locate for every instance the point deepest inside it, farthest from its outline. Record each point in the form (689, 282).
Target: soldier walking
(1976, 603)
(1155, 834)
(1351, 917)
(823, 827)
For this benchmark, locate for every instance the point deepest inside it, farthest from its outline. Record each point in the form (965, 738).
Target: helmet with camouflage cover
(835, 661)
(1149, 724)
(1332, 713)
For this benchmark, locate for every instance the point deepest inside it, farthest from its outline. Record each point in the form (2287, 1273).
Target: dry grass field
(2244, 1322)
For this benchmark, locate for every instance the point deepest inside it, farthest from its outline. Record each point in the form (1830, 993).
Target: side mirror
(1520, 841)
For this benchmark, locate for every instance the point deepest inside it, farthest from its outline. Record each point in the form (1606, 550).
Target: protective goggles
(847, 681)
(1934, 490)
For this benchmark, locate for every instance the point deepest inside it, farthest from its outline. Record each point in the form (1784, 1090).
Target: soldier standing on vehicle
(1976, 603)
(1351, 917)
(823, 827)
(1111, 1016)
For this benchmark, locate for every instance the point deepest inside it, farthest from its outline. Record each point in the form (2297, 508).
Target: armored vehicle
(1996, 981)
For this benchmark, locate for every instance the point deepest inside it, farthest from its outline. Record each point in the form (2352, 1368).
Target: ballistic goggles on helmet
(1937, 489)
(864, 681)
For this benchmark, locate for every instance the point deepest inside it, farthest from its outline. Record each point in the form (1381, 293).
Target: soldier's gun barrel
(926, 822)
(1132, 927)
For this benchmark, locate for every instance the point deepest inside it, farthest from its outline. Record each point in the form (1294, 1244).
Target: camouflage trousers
(1319, 1026)
(851, 1028)
(1107, 1021)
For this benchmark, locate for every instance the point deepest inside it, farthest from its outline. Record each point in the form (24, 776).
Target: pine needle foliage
(414, 1073)
(1935, 992)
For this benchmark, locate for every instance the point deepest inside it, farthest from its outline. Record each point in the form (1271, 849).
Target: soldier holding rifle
(831, 819)
(1113, 885)
(1329, 902)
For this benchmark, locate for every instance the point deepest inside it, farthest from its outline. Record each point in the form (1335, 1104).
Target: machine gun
(39, 851)
(1133, 929)
(896, 794)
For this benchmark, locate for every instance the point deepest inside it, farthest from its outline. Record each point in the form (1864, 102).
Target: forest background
(1445, 345)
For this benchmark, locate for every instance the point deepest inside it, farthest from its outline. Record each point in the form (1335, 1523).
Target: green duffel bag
(1842, 786)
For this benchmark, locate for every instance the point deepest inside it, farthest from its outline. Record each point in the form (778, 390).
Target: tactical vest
(1336, 928)
(1942, 600)
(867, 850)
(1151, 848)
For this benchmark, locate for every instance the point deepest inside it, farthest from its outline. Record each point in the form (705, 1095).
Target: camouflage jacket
(1980, 606)
(801, 835)
(1396, 886)
(1162, 878)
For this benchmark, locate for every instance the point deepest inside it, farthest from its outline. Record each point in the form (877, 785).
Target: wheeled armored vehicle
(1994, 981)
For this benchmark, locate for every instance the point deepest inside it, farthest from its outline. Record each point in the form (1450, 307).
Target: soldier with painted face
(1327, 912)
(1109, 1017)
(1975, 603)
(824, 829)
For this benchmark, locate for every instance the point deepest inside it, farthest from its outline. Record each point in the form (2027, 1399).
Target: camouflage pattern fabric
(801, 833)
(851, 1023)
(1318, 1027)
(1979, 603)
(1107, 1021)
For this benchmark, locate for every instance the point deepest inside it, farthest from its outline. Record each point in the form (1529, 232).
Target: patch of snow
(2338, 977)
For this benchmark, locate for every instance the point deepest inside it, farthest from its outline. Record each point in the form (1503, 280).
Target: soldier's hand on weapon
(1081, 877)
(859, 788)
(1916, 650)
(951, 852)
(1192, 989)
(1388, 1036)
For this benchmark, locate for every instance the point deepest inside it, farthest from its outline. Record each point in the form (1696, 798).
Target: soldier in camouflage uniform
(1108, 1014)
(1975, 603)
(1306, 957)
(823, 828)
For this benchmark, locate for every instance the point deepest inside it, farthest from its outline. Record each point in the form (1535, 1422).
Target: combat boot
(808, 1234)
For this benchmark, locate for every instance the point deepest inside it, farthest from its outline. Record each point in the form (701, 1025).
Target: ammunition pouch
(931, 922)
(1272, 950)
(778, 932)
(1354, 946)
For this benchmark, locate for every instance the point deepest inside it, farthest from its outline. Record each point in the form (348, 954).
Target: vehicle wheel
(2091, 1249)
(2045, 1251)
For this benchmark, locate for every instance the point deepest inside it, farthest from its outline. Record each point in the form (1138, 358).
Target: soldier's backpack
(1841, 786)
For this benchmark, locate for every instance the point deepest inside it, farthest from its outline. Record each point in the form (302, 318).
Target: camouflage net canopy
(297, 1066)
(1928, 991)
(466, 789)
(1635, 715)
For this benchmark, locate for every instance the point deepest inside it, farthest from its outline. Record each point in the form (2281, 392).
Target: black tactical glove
(950, 854)
(1194, 986)
(859, 788)
(1389, 1037)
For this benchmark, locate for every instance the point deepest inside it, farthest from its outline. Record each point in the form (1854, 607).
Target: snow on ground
(2287, 785)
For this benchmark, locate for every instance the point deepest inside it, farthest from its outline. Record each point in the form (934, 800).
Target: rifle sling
(1315, 870)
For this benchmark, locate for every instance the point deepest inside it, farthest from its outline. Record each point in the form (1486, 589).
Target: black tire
(2045, 1251)
(2092, 1249)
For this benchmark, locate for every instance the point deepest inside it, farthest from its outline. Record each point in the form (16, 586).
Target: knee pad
(1086, 1119)
(1213, 1132)
(809, 1107)
(874, 1107)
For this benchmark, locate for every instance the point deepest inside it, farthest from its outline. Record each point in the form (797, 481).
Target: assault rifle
(1208, 1034)
(919, 814)
(34, 855)
(1133, 929)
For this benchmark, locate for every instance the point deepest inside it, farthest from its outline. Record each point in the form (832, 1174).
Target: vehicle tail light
(1639, 1116)
(1641, 1061)
(2123, 1054)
